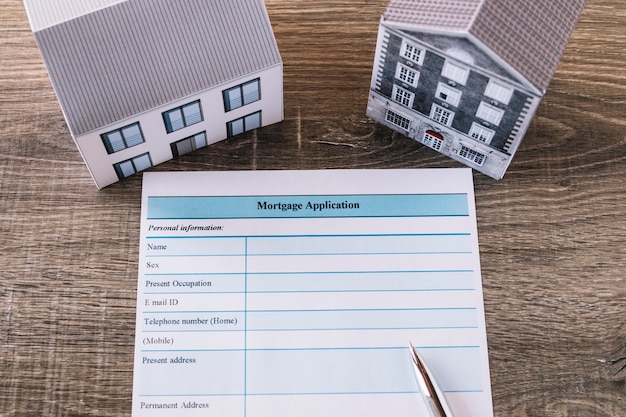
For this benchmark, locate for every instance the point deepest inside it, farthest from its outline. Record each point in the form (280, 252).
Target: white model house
(143, 81)
(465, 77)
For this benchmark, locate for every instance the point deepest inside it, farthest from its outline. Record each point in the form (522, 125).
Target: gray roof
(46, 13)
(530, 35)
(451, 15)
(133, 56)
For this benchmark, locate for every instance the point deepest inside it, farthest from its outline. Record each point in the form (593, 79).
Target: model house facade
(143, 81)
(465, 77)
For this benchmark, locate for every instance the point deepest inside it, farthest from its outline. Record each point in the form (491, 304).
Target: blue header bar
(267, 207)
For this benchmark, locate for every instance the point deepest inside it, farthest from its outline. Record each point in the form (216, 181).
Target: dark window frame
(169, 128)
(174, 147)
(228, 104)
(120, 173)
(229, 125)
(106, 141)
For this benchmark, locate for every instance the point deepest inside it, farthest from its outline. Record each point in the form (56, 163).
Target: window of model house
(448, 94)
(481, 133)
(412, 52)
(472, 155)
(131, 166)
(489, 113)
(407, 75)
(397, 119)
(189, 144)
(182, 116)
(242, 94)
(433, 139)
(244, 124)
(120, 139)
(498, 92)
(402, 96)
(455, 72)
(441, 115)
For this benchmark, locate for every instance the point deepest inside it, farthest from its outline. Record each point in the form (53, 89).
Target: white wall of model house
(157, 140)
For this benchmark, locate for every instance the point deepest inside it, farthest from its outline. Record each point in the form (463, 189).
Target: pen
(429, 389)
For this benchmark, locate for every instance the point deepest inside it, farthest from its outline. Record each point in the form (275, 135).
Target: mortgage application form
(296, 293)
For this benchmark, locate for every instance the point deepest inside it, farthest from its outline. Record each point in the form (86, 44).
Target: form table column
(342, 308)
(192, 307)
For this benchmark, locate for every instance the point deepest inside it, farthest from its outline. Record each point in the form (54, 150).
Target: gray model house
(143, 81)
(465, 77)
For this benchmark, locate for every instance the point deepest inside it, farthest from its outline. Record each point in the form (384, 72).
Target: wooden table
(551, 232)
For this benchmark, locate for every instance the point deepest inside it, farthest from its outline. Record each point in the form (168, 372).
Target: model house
(143, 81)
(465, 77)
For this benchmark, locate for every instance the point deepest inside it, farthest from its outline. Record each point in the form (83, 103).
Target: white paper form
(296, 293)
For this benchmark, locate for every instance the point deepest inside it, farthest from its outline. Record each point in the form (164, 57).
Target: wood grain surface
(551, 232)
